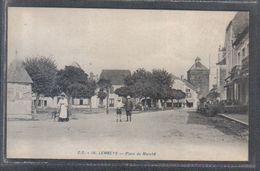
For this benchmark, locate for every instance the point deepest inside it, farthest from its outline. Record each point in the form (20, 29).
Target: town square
(127, 84)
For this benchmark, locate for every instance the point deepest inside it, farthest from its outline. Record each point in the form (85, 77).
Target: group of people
(63, 109)
(128, 109)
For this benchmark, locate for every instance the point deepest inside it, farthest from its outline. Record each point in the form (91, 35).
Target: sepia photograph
(127, 84)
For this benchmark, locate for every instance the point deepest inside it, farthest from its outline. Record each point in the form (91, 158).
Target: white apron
(63, 106)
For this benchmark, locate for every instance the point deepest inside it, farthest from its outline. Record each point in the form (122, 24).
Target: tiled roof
(117, 77)
(188, 84)
(198, 66)
(16, 73)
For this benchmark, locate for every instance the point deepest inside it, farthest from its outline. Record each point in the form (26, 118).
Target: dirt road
(162, 135)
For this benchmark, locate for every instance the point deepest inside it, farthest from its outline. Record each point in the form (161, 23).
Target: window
(81, 102)
(111, 102)
(39, 103)
(243, 52)
(238, 58)
(45, 103)
(188, 94)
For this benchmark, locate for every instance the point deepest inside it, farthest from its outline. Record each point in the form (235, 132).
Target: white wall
(19, 100)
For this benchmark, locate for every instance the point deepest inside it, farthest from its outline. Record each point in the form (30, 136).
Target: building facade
(198, 76)
(221, 73)
(191, 100)
(237, 58)
(19, 92)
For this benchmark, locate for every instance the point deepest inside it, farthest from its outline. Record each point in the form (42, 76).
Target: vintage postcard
(127, 84)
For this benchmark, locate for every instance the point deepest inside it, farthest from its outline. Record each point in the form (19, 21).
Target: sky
(117, 38)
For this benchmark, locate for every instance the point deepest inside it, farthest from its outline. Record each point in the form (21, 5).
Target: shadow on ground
(226, 126)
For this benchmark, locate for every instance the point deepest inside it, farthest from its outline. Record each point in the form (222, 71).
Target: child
(119, 106)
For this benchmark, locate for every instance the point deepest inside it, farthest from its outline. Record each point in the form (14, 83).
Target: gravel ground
(161, 135)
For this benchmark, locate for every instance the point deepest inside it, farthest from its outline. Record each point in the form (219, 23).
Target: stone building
(237, 58)
(19, 92)
(198, 76)
(221, 73)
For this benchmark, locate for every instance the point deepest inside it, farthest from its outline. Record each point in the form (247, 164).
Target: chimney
(197, 60)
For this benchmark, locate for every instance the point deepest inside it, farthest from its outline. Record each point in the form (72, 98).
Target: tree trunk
(36, 103)
(107, 101)
(90, 105)
(172, 103)
(145, 103)
(69, 105)
(101, 102)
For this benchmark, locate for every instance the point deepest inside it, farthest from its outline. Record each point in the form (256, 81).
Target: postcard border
(254, 119)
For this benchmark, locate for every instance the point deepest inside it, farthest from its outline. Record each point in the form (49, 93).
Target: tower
(198, 75)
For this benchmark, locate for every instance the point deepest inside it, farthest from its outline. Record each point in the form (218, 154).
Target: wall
(179, 84)
(200, 79)
(19, 100)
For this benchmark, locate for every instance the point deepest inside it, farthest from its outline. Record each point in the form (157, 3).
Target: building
(45, 102)
(198, 76)
(237, 58)
(191, 100)
(19, 91)
(221, 73)
(117, 80)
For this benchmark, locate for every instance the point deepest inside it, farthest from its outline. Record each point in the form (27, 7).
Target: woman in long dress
(63, 109)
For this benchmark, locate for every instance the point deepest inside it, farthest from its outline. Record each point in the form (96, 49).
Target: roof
(188, 84)
(17, 74)
(240, 22)
(117, 77)
(198, 66)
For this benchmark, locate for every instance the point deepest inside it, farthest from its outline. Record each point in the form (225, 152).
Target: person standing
(128, 108)
(119, 106)
(63, 108)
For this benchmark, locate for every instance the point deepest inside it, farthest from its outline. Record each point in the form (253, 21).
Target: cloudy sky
(117, 39)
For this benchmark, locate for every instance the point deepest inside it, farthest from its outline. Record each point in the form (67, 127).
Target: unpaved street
(162, 135)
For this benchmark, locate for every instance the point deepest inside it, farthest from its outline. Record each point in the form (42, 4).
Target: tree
(140, 84)
(162, 82)
(179, 95)
(105, 84)
(43, 71)
(153, 84)
(123, 92)
(101, 95)
(74, 82)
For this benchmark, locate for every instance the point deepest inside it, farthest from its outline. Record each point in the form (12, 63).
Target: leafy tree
(162, 82)
(105, 84)
(101, 95)
(123, 92)
(75, 83)
(153, 84)
(43, 71)
(140, 84)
